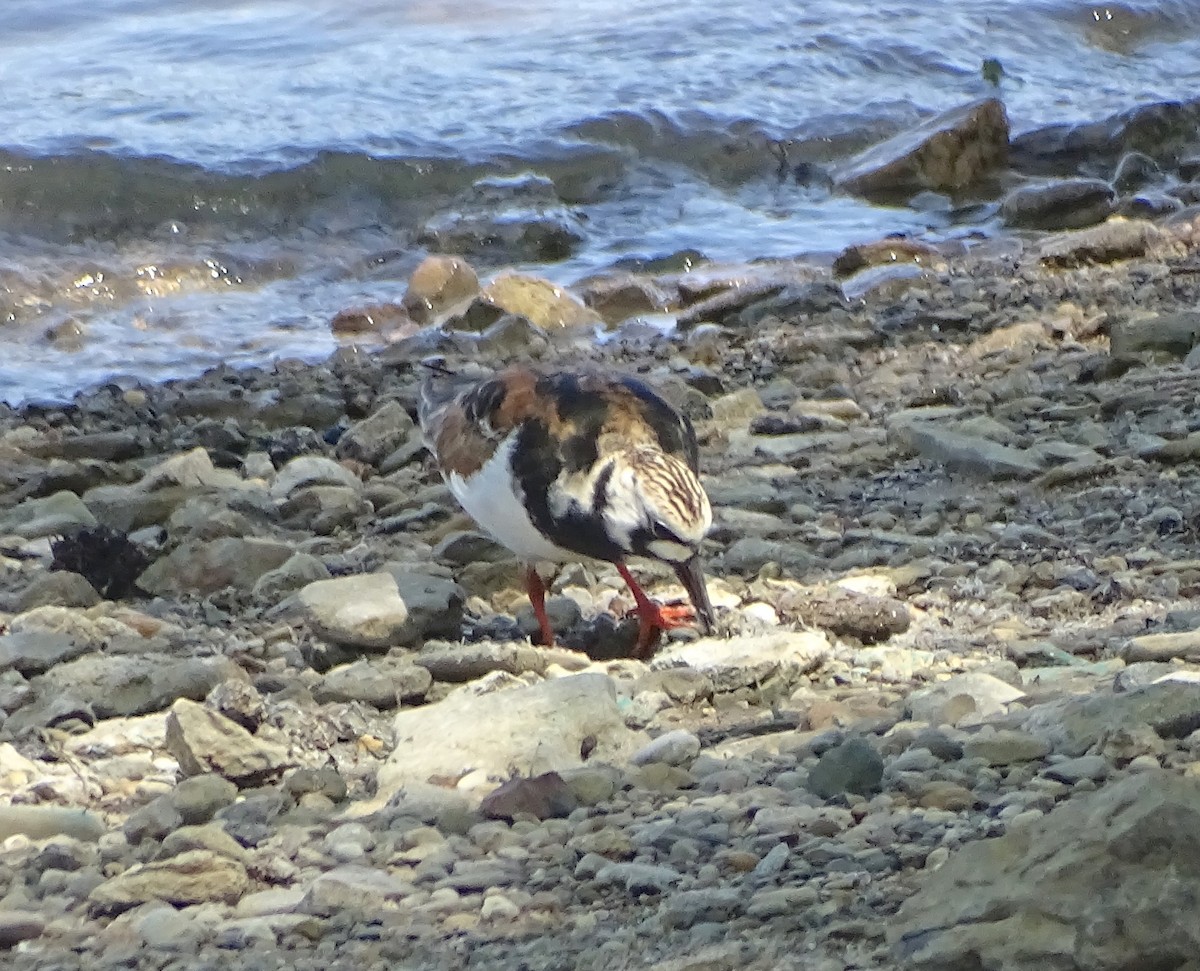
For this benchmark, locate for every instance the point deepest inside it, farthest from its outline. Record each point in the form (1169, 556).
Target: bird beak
(691, 575)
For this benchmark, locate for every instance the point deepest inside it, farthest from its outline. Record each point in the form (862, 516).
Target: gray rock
(1168, 709)
(673, 748)
(32, 652)
(352, 889)
(1005, 747)
(948, 152)
(965, 453)
(740, 662)
(380, 610)
(1098, 884)
(199, 798)
(203, 741)
(383, 683)
(194, 877)
(1110, 241)
(206, 567)
(456, 663)
(377, 436)
(356, 611)
(59, 588)
(1060, 204)
(529, 731)
(120, 685)
(19, 925)
(851, 767)
(639, 878)
(311, 470)
(1170, 334)
(45, 822)
(974, 694)
(54, 515)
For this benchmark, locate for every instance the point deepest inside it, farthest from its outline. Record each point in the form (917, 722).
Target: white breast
(490, 497)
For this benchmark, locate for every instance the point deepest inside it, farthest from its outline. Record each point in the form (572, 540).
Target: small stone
(1006, 747)
(544, 796)
(194, 877)
(199, 798)
(18, 925)
(851, 767)
(1076, 770)
(203, 741)
(673, 748)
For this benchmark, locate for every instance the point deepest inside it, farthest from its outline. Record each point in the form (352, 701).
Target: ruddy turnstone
(569, 465)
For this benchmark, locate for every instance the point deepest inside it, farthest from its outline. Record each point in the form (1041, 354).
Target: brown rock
(373, 318)
(544, 796)
(949, 152)
(203, 741)
(881, 252)
(545, 304)
(436, 285)
(1060, 204)
(194, 877)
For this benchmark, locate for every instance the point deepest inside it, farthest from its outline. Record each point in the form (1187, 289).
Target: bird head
(655, 506)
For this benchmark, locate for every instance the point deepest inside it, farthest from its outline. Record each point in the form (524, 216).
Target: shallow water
(184, 184)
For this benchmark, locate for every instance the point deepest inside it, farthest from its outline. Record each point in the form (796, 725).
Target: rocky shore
(272, 701)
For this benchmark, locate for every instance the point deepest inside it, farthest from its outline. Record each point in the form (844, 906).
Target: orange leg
(652, 619)
(537, 598)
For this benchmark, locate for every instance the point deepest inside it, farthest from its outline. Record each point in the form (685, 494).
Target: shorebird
(568, 465)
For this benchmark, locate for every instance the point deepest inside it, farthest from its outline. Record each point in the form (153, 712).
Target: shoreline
(954, 560)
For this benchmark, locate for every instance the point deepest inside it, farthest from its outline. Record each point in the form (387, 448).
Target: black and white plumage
(566, 465)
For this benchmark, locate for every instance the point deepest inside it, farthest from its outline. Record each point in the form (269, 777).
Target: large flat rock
(525, 731)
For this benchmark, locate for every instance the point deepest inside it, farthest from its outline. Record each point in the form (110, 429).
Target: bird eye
(662, 531)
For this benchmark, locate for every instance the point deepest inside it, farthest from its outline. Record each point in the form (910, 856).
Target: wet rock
(203, 568)
(617, 298)
(389, 318)
(1134, 171)
(538, 300)
(374, 438)
(512, 235)
(57, 514)
(437, 284)
(949, 152)
(745, 661)
(544, 796)
(203, 741)
(194, 877)
(199, 798)
(851, 767)
(884, 252)
(1117, 239)
(1079, 888)
(531, 730)
(1065, 204)
(294, 573)
(1170, 335)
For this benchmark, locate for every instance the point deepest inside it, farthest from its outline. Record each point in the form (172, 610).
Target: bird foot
(653, 619)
